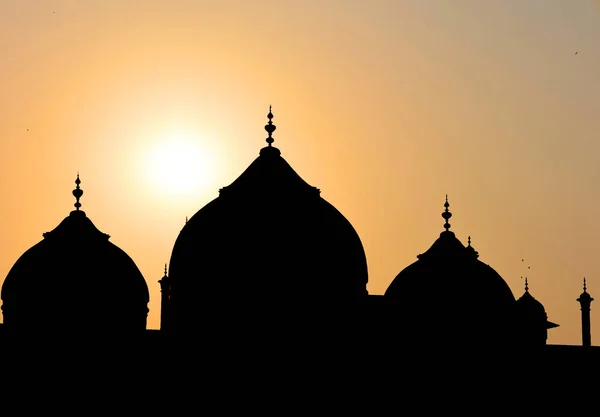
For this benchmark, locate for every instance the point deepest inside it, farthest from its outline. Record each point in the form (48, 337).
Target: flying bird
(575, 53)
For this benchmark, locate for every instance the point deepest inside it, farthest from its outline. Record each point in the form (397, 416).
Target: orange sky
(386, 106)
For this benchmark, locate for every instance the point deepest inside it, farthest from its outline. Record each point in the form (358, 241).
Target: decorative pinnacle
(77, 192)
(270, 127)
(469, 241)
(165, 269)
(446, 214)
(585, 299)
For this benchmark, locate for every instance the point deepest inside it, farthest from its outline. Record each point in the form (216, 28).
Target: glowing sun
(180, 164)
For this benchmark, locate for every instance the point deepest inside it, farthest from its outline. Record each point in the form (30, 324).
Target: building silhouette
(75, 281)
(268, 241)
(270, 259)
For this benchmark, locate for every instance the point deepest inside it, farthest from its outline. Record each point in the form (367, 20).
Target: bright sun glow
(180, 164)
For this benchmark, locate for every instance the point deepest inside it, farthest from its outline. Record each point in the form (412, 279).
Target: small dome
(450, 286)
(530, 307)
(75, 279)
(532, 319)
(268, 238)
(452, 274)
(585, 298)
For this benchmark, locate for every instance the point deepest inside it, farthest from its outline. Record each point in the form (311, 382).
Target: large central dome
(268, 238)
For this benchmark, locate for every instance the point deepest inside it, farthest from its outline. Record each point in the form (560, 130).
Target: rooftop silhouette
(271, 258)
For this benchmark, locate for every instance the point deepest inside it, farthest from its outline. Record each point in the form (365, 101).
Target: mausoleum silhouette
(268, 246)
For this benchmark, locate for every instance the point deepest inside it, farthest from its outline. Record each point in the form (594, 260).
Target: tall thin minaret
(585, 300)
(165, 301)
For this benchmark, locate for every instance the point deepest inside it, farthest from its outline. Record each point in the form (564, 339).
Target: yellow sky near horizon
(386, 106)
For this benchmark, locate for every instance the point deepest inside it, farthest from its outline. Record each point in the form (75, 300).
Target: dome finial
(470, 250)
(165, 269)
(270, 127)
(77, 192)
(446, 214)
(584, 285)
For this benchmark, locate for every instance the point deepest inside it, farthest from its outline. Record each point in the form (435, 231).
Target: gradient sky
(386, 106)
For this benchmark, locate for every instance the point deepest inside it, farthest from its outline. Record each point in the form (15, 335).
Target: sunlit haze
(385, 106)
(179, 164)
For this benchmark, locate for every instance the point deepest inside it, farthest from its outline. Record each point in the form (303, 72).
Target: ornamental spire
(270, 127)
(77, 192)
(470, 248)
(446, 214)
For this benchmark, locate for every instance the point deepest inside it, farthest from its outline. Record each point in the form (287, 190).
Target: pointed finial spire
(470, 250)
(77, 192)
(270, 127)
(446, 214)
(585, 296)
(164, 282)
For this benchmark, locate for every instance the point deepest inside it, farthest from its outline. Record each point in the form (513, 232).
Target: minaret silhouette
(585, 300)
(165, 301)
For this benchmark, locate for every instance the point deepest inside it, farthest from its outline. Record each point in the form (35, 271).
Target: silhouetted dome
(533, 319)
(585, 297)
(75, 280)
(531, 309)
(448, 287)
(530, 306)
(268, 238)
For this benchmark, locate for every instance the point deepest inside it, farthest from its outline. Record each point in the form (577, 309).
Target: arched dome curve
(75, 278)
(268, 237)
(531, 310)
(449, 285)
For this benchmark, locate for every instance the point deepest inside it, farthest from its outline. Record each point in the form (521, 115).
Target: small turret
(165, 301)
(585, 300)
